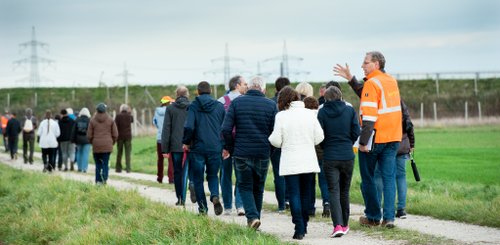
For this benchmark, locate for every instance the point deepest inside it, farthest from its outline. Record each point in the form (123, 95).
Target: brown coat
(124, 124)
(102, 133)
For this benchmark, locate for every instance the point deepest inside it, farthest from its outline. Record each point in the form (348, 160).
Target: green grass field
(37, 208)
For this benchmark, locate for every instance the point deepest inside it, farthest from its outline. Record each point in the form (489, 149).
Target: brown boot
(72, 166)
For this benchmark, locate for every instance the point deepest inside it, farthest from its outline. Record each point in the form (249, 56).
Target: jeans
(323, 188)
(279, 181)
(251, 177)
(127, 144)
(101, 167)
(338, 175)
(226, 184)
(82, 157)
(384, 156)
(199, 162)
(400, 180)
(299, 187)
(178, 174)
(28, 145)
(68, 151)
(49, 158)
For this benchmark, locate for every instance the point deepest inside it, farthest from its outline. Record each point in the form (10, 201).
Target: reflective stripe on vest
(384, 108)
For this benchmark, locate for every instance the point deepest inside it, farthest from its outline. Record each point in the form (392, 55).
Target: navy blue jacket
(253, 115)
(202, 130)
(341, 128)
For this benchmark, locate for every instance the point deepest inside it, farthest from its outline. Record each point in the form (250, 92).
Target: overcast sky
(173, 42)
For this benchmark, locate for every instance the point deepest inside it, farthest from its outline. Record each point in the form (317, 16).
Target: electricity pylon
(227, 66)
(33, 59)
(125, 74)
(284, 67)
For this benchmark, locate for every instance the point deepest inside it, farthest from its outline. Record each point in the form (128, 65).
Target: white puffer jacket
(296, 132)
(48, 132)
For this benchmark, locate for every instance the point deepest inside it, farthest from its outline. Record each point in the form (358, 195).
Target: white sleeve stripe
(369, 104)
(369, 118)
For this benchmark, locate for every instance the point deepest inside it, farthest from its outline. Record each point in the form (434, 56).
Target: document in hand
(370, 141)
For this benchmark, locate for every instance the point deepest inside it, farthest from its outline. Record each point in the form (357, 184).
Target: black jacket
(79, 131)
(65, 126)
(173, 125)
(13, 128)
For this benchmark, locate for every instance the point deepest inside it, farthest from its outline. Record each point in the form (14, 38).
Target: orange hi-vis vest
(5, 120)
(381, 104)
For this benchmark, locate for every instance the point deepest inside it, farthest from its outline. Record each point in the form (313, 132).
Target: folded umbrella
(414, 168)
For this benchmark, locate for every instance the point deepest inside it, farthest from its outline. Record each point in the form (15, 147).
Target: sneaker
(389, 224)
(281, 211)
(338, 231)
(298, 236)
(217, 206)
(401, 214)
(346, 229)
(326, 210)
(192, 194)
(240, 211)
(254, 224)
(287, 205)
(228, 211)
(364, 221)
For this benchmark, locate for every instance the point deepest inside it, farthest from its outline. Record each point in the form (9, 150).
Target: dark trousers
(101, 167)
(28, 145)
(251, 178)
(49, 158)
(159, 162)
(299, 187)
(13, 141)
(279, 181)
(338, 176)
(127, 144)
(178, 173)
(201, 163)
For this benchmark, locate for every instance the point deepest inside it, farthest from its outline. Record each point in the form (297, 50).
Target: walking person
(202, 138)
(406, 145)
(4, 120)
(124, 122)
(67, 147)
(237, 86)
(249, 145)
(13, 130)
(79, 137)
(279, 181)
(381, 122)
(171, 139)
(29, 127)
(48, 133)
(102, 134)
(297, 131)
(158, 123)
(341, 128)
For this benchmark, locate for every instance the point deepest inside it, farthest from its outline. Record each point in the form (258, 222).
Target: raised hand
(341, 71)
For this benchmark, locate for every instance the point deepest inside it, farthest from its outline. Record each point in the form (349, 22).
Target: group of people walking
(301, 136)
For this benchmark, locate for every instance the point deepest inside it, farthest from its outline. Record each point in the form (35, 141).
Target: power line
(226, 70)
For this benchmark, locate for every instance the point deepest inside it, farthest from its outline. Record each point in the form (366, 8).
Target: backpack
(28, 126)
(81, 127)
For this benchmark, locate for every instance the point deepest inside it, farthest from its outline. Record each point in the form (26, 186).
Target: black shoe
(298, 236)
(217, 206)
(326, 210)
(287, 205)
(192, 194)
(312, 212)
(179, 203)
(401, 214)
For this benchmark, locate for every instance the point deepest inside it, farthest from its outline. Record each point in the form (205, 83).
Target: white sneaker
(240, 211)
(228, 211)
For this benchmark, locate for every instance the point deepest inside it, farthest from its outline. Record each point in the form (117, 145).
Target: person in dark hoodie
(341, 128)
(67, 147)
(13, 130)
(171, 139)
(202, 136)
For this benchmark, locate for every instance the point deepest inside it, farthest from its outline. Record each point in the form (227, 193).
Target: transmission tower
(284, 67)
(125, 74)
(33, 59)
(227, 66)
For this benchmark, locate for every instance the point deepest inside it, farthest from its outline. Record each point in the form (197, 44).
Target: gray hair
(305, 89)
(123, 107)
(377, 56)
(182, 91)
(257, 83)
(28, 111)
(84, 112)
(333, 93)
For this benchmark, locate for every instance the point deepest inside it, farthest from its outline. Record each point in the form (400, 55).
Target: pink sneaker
(346, 229)
(338, 231)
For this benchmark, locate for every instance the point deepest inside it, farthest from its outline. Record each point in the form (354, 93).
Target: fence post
(422, 114)
(215, 91)
(466, 113)
(437, 84)
(73, 95)
(479, 110)
(475, 83)
(8, 101)
(435, 112)
(36, 99)
(134, 125)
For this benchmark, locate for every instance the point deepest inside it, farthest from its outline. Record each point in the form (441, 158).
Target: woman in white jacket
(48, 131)
(296, 132)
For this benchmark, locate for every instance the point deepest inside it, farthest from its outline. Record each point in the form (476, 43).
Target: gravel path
(281, 225)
